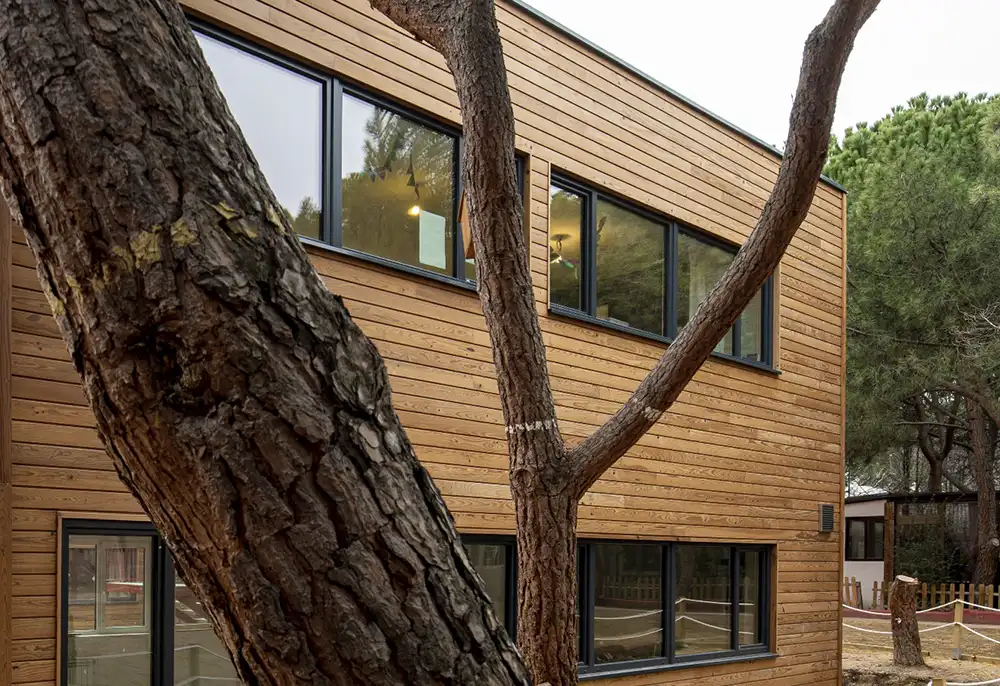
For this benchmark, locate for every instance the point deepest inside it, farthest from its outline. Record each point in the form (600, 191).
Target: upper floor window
(350, 170)
(642, 272)
(864, 537)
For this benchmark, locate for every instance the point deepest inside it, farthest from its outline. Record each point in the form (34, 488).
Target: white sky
(740, 58)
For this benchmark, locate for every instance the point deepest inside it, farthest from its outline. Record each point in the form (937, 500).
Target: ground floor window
(647, 606)
(127, 619)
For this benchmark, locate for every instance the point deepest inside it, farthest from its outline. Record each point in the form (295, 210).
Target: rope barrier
(980, 607)
(710, 626)
(930, 609)
(635, 616)
(983, 636)
(599, 639)
(889, 633)
(974, 683)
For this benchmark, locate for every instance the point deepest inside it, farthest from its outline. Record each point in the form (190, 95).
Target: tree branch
(824, 59)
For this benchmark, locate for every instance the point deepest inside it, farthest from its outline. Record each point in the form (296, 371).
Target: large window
(650, 606)
(351, 170)
(646, 606)
(640, 272)
(865, 536)
(127, 620)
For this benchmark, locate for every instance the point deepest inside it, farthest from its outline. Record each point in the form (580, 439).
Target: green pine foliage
(923, 257)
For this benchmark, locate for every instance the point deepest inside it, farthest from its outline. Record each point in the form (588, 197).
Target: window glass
(398, 190)
(199, 655)
(749, 624)
(566, 211)
(630, 268)
(82, 571)
(751, 329)
(280, 113)
(109, 625)
(704, 602)
(490, 562)
(699, 267)
(875, 540)
(628, 606)
(855, 539)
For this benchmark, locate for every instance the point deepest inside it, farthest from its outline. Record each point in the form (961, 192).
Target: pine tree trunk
(906, 650)
(987, 543)
(547, 583)
(239, 402)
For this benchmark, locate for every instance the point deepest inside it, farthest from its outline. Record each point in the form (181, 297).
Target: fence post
(938, 681)
(956, 632)
(989, 596)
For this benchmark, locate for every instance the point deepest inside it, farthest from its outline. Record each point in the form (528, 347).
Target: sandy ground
(875, 668)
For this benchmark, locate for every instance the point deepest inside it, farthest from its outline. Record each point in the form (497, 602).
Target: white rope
(973, 683)
(712, 602)
(889, 633)
(984, 636)
(710, 626)
(636, 616)
(980, 607)
(919, 612)
(598, 639)
(867, 612)
(938, 607)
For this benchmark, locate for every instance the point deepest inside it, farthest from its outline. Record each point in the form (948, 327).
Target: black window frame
(870, 538)
(590, 196)
(334, 88)
(161, 592)
(761, 650)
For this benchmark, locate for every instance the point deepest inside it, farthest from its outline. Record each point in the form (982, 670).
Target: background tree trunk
(239, 402)
(982, 440)
(905, 635)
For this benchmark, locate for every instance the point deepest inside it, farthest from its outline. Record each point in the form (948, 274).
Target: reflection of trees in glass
(306, 221)
(565, 266)
(699, 267)
(407, 169)
(630, 263)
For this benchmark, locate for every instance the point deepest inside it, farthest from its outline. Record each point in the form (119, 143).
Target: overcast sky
(740, 58)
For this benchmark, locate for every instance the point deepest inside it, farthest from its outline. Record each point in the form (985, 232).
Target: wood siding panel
(744, 456)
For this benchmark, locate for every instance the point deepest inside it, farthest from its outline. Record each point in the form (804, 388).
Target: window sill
(569, 313)
(388, 264)
(651, 666)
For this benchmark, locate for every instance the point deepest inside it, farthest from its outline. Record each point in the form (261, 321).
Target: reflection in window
(751, 329)
(199, 655)
(628, 605)
(398, 192)
(855, 539)
(749, 624)
(630, 261)
(875, 549)
(490, 562)
(565, 234)
(109, 611)
(280, 113)
(699, 267)
(704, 601)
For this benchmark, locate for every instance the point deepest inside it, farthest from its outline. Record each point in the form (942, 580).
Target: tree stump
(905, 634)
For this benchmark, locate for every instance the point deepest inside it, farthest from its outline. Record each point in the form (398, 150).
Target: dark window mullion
(669, 606)
(334, 127)
(511, 593)
(734, 619)
(767, 325)
(671, 287)
(737, 335)
(590, 254)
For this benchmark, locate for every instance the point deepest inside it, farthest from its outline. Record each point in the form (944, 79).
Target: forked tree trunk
(983, 434)
(906, 650)
(239, 402)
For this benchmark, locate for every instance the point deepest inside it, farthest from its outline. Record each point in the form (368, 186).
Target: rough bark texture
(240, 403)
(983, 439)
(905, 632)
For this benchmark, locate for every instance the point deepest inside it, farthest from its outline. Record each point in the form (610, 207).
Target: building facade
(701, 556)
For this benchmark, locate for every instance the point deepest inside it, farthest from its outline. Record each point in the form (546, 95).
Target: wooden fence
(930, 595)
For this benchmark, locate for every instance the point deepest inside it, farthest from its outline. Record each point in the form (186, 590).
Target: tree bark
(987, 542)
(239, 402)
(906, 650)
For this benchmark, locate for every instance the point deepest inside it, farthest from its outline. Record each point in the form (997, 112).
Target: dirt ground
(874, 668)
